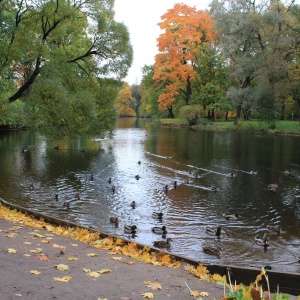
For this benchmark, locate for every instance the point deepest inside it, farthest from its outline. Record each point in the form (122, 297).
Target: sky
(141, 18)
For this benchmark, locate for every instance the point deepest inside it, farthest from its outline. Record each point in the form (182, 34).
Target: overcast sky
(141, 18)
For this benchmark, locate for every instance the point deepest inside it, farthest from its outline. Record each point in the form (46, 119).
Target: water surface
(196, 160)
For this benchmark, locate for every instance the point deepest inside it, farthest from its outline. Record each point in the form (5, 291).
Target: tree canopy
(184, 30)
(64, 60)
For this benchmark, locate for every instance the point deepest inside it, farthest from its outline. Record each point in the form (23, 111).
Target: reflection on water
(196, 160)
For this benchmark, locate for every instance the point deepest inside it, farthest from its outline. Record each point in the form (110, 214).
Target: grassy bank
(258, 126)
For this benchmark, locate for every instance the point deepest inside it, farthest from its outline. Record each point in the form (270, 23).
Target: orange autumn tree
(185, 29)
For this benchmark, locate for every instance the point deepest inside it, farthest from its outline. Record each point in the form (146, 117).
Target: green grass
(259, 126)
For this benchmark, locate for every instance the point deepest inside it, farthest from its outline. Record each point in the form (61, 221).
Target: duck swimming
(133, 204)
(159, 230)
(262, 241)
(157, 215)
(163, 244)
(274, 228)
(231, 216)
(214, 231)
(66, 204)
(130, 229)
(137, 177)
(114, 220)
(211, 250)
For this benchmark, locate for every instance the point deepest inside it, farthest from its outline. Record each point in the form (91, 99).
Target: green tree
(65, 57)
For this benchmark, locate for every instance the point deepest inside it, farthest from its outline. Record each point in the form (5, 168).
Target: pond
(196, 160)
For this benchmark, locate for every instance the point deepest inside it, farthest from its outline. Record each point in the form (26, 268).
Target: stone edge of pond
(287, 282)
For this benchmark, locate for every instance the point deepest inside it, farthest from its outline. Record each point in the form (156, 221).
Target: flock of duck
(166, 243)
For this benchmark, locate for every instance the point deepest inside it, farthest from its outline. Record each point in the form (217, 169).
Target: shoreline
(288, 282)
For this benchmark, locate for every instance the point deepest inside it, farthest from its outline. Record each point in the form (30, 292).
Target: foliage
(185, 29)
(64, 57)
(191, 113)
(261, 44)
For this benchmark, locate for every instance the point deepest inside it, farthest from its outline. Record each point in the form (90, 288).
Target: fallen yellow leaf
(35, 251)
(35, 272)
(45, 241)
(27, 243)
(93, 274)
(27, 255)
(116, 258)
(63, 279)
(153, 285)
(86, 270)
(129, 262)
(43, 257)
(12, 250)
(104, 271)
(74, 245)
(92, 254)
(72, 258)
(148, 295)
(194, 293)
(62, 267)
(204, 294)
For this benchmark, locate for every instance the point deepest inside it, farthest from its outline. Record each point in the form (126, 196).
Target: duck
(232, 175)
(274, 228)
(211, 250)
(114, 220)
(133, 204)
(262, 241)
(31, 185)
(166, 188)
(273, 187)
(66, 204)
(175, 184)
(56, 197)
(130, 229)
(139, 162)
(77, 195)
(157, 215)
(137, 177)
(253, 172)
(109, 180)
(91, 177)
(56, 148)
(213, 188)
(231, 216)
(113, 188)
(163, 244)
(159, 230)
(214, 231)
(286, 173)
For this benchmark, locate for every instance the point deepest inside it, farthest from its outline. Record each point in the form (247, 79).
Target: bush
(191, 113)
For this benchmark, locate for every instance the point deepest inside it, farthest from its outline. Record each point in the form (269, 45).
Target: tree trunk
(170, 112)
(188, 91)
(238, 111)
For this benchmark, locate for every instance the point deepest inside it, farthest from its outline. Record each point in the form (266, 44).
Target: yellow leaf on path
(72, 258)
(27, 243)
(194, 293)
(102, 299)
(38, 235)
(92, 254)
(153, 285)
(86, 270)
(35, 251)
(204, 294)
(27, 255)
(43, 257)
(62, 267)
(58, 246)
(35, 272)
(94, 274)
(104, 271)
(19, 295)
(116, 258)
(74, 245)
(12, 250)
(129, 262)
(45, 241)
(148, 295)
(63, 279)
